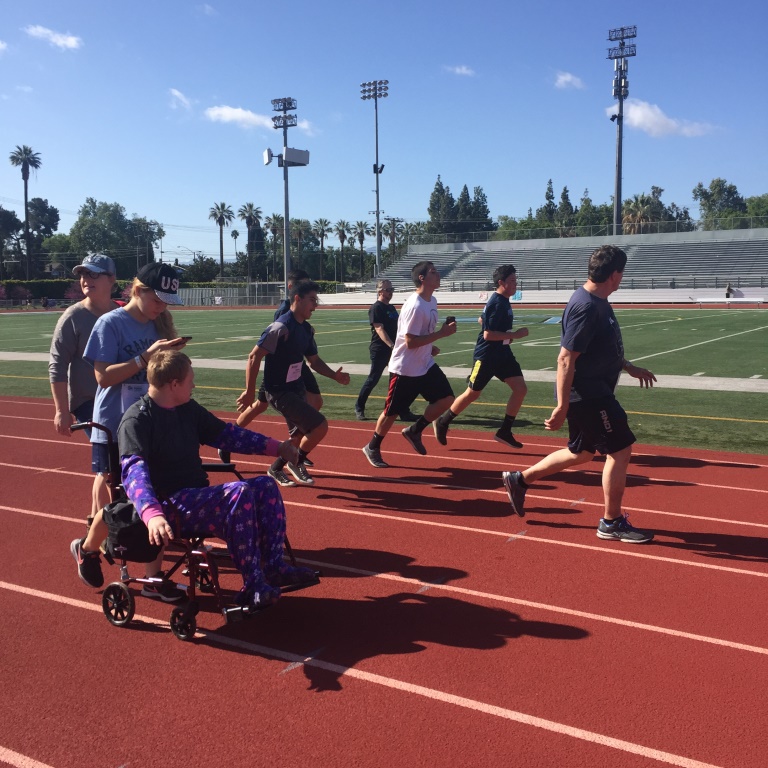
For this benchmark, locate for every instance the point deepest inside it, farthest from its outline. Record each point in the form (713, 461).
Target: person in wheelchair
(159, 440)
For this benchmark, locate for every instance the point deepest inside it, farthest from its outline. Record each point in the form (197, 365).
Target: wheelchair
(127, 541)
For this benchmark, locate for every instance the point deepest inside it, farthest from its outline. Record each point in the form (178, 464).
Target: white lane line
(18, 760)
(433, 694)
(487, 595)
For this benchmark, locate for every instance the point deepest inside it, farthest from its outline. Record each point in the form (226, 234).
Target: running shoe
(300, 474)
(374, 457)
(515, 491)
(280, 478)
(414, 438)
(359, 414)
(620, 530)
(160, 588)
(88, 564)
(508, 439)
(441, 431)
(307, 462)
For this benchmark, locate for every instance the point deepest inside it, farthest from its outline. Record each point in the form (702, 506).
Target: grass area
(710, 342)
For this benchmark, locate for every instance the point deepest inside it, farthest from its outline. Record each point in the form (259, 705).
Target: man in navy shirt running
(493, 357)
(285, 344)
(590, 362)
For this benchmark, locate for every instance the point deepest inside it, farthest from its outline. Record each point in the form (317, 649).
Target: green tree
(565, 217)
(636, 212)
(10, 228)
(23, 157)
(222, 214)
(274, 225)
(545, 216)
(342, 230)
(251, 215)
(321, 228)
(720, 200)
(464, 214)
(234, 234)
(58, 249)
(481, 214)
(104, 228)
(757, 208)
(43, 222)
(359, 230)
(203, 269)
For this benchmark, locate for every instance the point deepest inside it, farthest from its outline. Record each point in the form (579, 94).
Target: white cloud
(567, 80)
(56, 39)
(462, 70)
(244, 118)
(650, 119)
(178, 99)
(24, 88)
(208, 10)
(3, 46)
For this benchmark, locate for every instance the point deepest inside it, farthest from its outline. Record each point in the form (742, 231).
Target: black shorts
(598, 425)
(484, 370)
(403, 390)
(310, 382)
(299, 415)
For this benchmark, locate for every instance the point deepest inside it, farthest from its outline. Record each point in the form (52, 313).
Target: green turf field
(686, 342)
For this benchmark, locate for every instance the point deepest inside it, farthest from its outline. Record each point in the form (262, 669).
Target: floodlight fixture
(284, 121)
(284, 105)
(376, 89)
(619, 55)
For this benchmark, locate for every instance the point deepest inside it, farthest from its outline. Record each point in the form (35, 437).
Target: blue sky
(165, 107)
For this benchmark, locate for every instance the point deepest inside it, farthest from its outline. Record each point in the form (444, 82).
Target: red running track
(445, 632)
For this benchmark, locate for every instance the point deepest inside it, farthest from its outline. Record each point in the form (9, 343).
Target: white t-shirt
(418, 317)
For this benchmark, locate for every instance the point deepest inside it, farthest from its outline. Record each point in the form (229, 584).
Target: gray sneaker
(280, 478)
(515, 491)
(414, 438)
(441, 431)
(300, 474)
(620, 530)
(374, 457)
(359, 414)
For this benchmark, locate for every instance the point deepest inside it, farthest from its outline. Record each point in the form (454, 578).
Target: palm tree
(321, 228)
(251, 215)
(274, 224)
(636, 212)
(392, 229)
(235, 235)
(222, 214)
(341, 229)
(360, 230)
(25, 158)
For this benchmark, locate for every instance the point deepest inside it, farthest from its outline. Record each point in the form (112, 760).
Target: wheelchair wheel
(183, 626)
(118, 604)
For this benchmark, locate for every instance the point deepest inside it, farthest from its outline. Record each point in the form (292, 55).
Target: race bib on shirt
(294, 372)
(130, 392)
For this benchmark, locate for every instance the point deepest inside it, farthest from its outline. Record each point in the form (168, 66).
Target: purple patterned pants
(249, 515)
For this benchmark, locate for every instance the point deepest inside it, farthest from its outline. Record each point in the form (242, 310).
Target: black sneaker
(360, 413)
(300, 474)
(167, 591)
(515, 491)
(374, 457)
(414, 438)
(88, 564)
(441, 431)
(307, 462)
(280, 478)
(620, 530)
(508, 439)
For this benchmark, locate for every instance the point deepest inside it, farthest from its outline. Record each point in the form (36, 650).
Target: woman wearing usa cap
(73, 384)
(119, 348)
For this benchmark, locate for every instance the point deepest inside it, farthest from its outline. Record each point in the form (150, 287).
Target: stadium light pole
(620, 54)
(376, 89)
(285, 121)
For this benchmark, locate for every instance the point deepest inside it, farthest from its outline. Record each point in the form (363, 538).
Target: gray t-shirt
(66, 363)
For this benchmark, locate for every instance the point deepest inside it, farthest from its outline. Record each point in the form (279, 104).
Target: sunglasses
(92, 275)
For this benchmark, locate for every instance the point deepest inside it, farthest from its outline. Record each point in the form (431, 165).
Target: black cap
(163, 279)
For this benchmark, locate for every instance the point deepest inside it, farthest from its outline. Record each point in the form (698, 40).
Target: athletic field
(712, 366)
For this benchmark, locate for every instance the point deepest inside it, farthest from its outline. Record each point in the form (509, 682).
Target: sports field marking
(403, 686)
(18, 760)
(701, 343)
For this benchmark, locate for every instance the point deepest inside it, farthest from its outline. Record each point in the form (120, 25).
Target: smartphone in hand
(450, 319)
